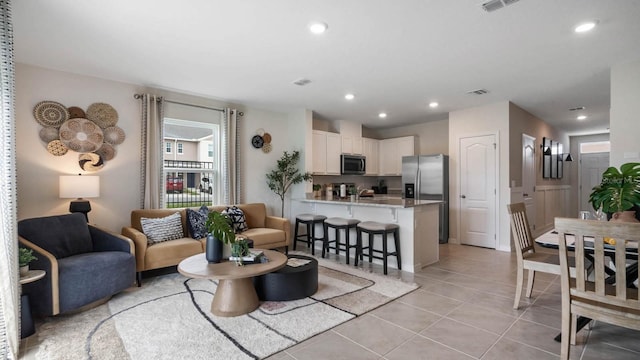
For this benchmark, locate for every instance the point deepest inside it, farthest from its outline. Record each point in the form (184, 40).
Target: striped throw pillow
(162, 229)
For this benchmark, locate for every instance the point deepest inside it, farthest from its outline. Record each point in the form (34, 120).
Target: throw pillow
(162, 229)
(196, 222)
(238, 221)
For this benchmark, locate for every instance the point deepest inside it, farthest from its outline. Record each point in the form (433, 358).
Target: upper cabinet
(351, 145)
(370, 152)
(326, 153)
(391, 152)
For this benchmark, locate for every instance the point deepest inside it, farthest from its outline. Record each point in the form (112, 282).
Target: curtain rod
(139, 96)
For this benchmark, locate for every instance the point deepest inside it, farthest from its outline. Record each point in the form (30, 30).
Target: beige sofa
(267, 232)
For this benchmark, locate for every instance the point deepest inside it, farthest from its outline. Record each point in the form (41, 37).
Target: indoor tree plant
(286, 174)
(619, 191)
(25, 256)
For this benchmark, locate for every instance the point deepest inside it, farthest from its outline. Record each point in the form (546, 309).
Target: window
(193, 179)
(595, 147)
(167, 147)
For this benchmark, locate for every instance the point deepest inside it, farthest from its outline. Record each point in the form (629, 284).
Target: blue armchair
(83, 264)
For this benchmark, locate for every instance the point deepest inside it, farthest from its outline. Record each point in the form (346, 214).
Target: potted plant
(286, 174)
(618, 192)
(352, 193)
(316, 190)
(25, 256)
(220, 232)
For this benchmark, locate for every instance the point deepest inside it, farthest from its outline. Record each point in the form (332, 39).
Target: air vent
(478, 92)
(494, 5)
(577, 108)
(302, 82)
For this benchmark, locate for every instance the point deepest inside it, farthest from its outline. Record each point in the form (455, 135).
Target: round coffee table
(289, 282)
(235, 294)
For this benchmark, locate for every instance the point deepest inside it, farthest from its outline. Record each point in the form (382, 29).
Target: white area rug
(169, 318)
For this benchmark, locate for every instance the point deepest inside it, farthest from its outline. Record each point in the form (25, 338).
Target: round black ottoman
(288, 283)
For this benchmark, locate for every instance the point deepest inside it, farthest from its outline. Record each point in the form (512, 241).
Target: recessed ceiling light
(433, 104)
(581, 117)
(382, 115)
(585, 26)
(318, 27)
(349, 96)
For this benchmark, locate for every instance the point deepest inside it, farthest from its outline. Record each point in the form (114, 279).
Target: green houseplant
(25, 256)
(619, 190)
(286, 174)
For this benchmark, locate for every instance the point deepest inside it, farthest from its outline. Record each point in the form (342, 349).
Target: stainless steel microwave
(352, 164)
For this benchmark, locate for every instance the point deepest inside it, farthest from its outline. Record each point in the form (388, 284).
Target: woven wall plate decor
(81, 135)
(266, 148)
(50, 113)
(113, 135)
(90, 162)
(267, 138)
(76, 112)
(106, 152)
(48, 134)
(102, 114)
(57, 148)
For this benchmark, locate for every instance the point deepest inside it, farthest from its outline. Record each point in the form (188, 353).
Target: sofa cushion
(263, 237)
(61, 235)
(196, 222)
(256, 214)
(238, 221)
(162, 229)
(170, 253)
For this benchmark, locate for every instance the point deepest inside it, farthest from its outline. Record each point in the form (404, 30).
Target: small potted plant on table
(25, 256)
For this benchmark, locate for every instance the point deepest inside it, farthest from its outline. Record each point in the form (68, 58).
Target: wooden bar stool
(310, 237)
(337, 224)
(373, 228)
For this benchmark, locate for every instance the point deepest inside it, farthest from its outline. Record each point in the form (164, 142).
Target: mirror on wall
(552, 159)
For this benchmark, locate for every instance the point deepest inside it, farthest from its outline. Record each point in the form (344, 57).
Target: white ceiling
(396, 56)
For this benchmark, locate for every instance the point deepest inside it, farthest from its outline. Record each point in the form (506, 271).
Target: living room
(37, 171)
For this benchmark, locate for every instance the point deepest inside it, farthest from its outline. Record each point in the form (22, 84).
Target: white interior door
(478, 191)
(529, 177)
(592, 165)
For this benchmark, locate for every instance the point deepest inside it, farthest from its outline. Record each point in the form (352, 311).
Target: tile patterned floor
(463, 310)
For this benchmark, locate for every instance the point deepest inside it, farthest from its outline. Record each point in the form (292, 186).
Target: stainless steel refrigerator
(426, 177)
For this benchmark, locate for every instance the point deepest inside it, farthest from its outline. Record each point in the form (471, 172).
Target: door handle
(525, 194)
(463, 196)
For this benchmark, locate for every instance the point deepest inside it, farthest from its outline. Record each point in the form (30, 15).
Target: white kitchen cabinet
(326, 153)
(351, 145)
(370, 152)
(391, 153)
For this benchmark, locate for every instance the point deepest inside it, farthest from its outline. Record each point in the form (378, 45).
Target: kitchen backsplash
(393, 183)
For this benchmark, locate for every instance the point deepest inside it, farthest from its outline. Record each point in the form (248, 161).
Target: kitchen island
(418, 221)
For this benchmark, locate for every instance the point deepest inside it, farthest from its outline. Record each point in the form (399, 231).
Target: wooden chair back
(607, 302)
(523, 240)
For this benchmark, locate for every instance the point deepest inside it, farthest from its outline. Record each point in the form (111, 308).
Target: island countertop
(386, 202)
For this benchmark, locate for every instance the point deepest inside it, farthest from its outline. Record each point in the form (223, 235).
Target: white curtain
(9, 306)
(151, 177)
(230, 148)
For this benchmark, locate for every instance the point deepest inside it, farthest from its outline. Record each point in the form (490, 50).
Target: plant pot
(24, 270)
(213, 251)
(352, 198)
(624, 216)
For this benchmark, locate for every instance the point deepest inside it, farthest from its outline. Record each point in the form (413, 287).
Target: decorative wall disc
(266, 148)
(76, 112)
(113, 135)
(57, 148)
(81, 135)
(90, 162)
(257, 141)
(50, 113)
(102, 114)
(106, 152)
(48, 134)
(267, 138)
(260, 131)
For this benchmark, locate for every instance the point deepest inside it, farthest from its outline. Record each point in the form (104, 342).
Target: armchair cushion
(162, 229)
(61, 235)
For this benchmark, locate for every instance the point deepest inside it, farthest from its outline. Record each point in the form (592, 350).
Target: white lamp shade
(79, 186)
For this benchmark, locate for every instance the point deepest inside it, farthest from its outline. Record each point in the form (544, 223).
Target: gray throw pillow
(162, 229)
(196, 222)
(238, 221)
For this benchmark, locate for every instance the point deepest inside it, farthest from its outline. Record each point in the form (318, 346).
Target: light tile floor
(463, 310)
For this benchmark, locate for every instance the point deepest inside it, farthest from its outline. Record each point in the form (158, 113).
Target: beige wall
(433, 136)
(38, 170)
(483, 120)
(624, 118)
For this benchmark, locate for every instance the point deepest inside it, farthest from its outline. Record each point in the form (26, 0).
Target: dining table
(550, 240)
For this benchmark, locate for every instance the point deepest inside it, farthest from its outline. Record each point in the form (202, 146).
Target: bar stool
(337, 224)
(309, 238)
(373, 228)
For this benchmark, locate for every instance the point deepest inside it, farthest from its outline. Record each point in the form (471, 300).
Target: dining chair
(598, 297)
(526, 256)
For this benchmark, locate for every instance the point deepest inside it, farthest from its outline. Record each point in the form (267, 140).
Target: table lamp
(79, 187)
